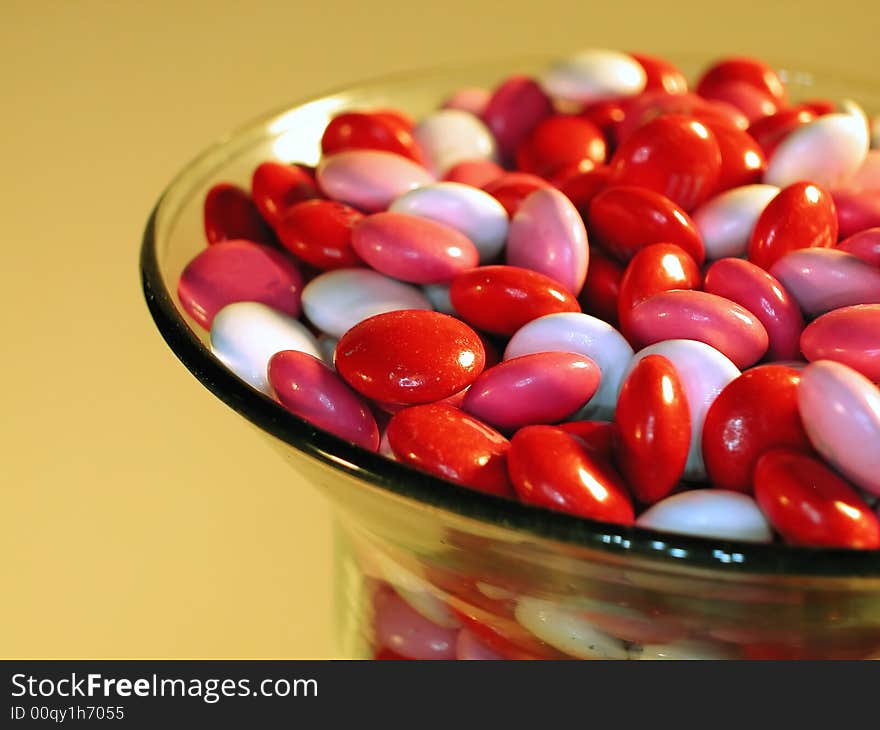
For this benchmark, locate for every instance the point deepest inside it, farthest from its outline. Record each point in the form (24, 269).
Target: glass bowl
(433, 570)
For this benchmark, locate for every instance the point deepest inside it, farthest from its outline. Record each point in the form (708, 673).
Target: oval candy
(275, 187)
(558, 141)
(517, 105)
(865, 245)
(319, 233)
(850, 335)
(726, 221)
(403, 630)
(567, 631)
(369, 131)
(857, 210)
(594, 75)
(229, 214)
(449, 136)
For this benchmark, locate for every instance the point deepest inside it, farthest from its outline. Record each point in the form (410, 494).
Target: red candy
(800, 216)
(559, 141)
(410, 356)
(654, 429)
(769, 131)
(584, 185)
(363, 131)
(750, 71)
(501, 299)
(742, 159)
(230, 214)
(656, 268)
(865, 245)
(512, 188)
(599, 436)
(625, 219)
(445, 441)
(476, 173)
(602, 288)
(674, 155)
(276, 187)
(661, 74)
(857, 211)
(514, 110)
(551, 468)
(808, 504)
(751, 101)
(238, 271)
(319, 233)
(756, 412)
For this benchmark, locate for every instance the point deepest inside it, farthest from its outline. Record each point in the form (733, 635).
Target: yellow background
(138, 516)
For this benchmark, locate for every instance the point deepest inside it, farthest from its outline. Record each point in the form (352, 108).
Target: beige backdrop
(139, 516)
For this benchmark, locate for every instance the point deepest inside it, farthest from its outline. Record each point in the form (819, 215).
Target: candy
(765, 298)
(544, 387)
(602, 287)
(368, 179)
(747, 70)
(513, 111)
(755, 412)
(311, 390)
(365, 131)
(558, 141)
(808, 504)
(413, 249)
(726, 221)
(245, 336)
(840, 409)
(625, 219)
(450, 136)
(476, 173)
(824, 279)
(399, 628)
(547, 235)
(512, 188)
(850, 335)
(661, 75)
(276, 187)
(654, 429)
(769, 131)
(800, 216)
(238, 271)
(755, 103)
(696, 315)
(716, 513)
(229, 214)
(448, 442)
(410, 356)
(865, 245)
(742, 159)
(319, 233)
(856, 211)
(595, 75)
(338, 300)
(567, 631)
(472, 212)
(674, 155)
(585, 335)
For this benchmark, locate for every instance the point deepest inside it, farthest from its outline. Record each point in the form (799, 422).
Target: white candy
(245, 335)
(337, 300)
(438, 295)
(450, 136)
(703, 372)
(567, 631)
(594, 75)
(469, 210)
(684, 649)
(586, 335)
(827, 151)
(717, 513)
(327, 345)
(416, 592)
(726, 221)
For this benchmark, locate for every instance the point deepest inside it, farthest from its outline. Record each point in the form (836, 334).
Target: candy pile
(596, 292)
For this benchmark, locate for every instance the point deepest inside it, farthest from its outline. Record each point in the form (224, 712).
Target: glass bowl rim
(387, 476)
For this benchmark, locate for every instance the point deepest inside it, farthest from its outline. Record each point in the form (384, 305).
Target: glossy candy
(501, 299)
(547, 235)
(476, 173)
(541, 388)
(311, 390)
(599, 436)
(586, 335)
(674, 155)
(558, 141)
(449, 136)
(401, 629)
(594, 75)
(238, 271)
(726, 221)
(512, 188)
(245, 336)
(703, 372)
(850, 335)
(602, 287)
(369, 180)
(840, 409)
(451, 444)
(229, 214)
(367, 131)
(800, 216)
(826, 151)
(765, 298)
(654, 429)
(695, 315)
(275, 187)
(513, 111)
(742, 159)
(864, 245)
(714, 513)
(552, 469)
(338, 300)
(755, 412)
(746, 70)
(656, 268)
(856, 211)
(769, 131)
(824, 279)
(567, 630)
(319, 233)
(472, 212)
(755, 103)
(652, 104)
(410, 356)
(624, 219)
(581, 187)
(661, 75)
(808, 504)
(413, 249)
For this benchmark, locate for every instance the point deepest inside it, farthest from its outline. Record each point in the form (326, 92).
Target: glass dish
(528, 583)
